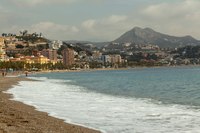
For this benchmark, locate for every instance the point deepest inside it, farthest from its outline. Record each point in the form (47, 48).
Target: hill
(148, 36)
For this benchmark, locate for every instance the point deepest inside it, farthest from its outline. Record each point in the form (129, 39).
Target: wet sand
(16, 117)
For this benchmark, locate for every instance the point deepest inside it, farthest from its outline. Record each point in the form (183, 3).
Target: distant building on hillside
(50, 54)
(68, 56)
(2, 49)
(55, 44)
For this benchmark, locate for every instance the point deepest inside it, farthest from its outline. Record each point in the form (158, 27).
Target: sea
(139, 100)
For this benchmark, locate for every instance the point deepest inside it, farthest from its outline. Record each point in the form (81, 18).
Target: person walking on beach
(3, 74)
(26, 73)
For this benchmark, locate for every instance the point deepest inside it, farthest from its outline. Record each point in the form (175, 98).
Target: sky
(99, 20)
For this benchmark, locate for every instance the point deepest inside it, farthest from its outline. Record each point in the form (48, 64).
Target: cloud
(179, 17)
(115, 19)
(46, 2)
(104, 28)
(111, 20)
(38, 2)
(54, 30)
(89, 24)
(176, 18)
(6, 18)
(171, 10)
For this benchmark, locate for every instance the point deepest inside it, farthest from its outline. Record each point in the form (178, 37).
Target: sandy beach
(16, 117)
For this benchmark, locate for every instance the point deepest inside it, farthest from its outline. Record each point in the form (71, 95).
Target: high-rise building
(68, 56)
(50, 54)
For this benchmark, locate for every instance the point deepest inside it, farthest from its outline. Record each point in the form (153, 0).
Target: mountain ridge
(147, 35)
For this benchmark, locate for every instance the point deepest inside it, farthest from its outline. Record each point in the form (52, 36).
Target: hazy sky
(99, 20)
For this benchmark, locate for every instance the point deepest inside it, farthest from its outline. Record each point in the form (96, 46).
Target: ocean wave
(106, 112)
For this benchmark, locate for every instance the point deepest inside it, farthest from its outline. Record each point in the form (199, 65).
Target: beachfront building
(2, 49)
(51, 54)
(40, 59)
(27, 59)
(32, 62)
(106, 58)
(31, 59)
(68, 57)
(116, 59)
(112, 60)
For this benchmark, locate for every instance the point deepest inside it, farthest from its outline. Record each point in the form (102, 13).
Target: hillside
(148, 36)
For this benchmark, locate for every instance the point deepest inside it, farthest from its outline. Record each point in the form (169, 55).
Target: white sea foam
(108, 113)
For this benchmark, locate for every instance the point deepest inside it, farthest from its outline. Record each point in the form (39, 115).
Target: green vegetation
(137, 57)
(187, 52)
(12, 65)
(20, 66)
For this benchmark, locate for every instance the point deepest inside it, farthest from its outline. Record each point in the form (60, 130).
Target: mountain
(148, 36)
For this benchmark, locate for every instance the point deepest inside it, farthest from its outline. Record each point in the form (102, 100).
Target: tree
(25, 32)
(4, 34)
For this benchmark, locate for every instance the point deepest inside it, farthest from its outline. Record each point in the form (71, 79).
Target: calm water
(151, 100)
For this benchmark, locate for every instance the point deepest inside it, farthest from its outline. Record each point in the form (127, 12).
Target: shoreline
(109, 69)
(23, 73)
(17, 117)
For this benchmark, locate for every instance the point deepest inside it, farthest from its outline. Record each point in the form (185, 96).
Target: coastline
(16, 117)
(109, 69)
